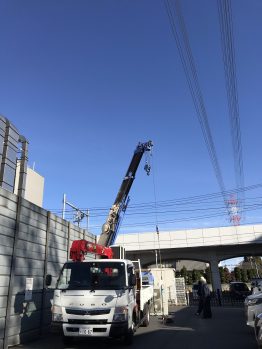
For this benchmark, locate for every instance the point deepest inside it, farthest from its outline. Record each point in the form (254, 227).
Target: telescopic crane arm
(110, 228)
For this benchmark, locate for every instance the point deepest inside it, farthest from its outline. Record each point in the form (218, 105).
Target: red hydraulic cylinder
(80, 248)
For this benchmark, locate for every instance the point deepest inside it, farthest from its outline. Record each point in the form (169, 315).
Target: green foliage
(222, 275)
(244, 277)
(196, 274)
(227, 274)
(251, 273)
(183, 273)
(189, 279)
(237, 272)
(178, 274)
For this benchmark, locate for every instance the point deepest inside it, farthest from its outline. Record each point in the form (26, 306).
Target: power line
(227, 42)
(177, 22)
(198, 199)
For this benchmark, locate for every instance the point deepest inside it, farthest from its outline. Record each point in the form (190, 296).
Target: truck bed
(147, 293)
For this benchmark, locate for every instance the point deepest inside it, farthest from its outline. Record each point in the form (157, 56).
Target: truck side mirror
(48, 280)
(132, 280)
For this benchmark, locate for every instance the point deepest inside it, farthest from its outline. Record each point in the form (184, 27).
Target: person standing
(204, 299)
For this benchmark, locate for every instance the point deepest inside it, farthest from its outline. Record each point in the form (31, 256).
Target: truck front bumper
(113, 330)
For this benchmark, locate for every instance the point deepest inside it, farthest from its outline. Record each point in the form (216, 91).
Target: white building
(34, 186)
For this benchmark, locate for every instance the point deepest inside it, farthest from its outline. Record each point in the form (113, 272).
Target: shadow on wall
(30, 318)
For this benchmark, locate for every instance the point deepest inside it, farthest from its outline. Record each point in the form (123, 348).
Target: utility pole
(79, 215)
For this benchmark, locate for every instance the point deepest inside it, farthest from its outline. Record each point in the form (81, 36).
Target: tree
(251, 273)
(244, 277)
(178, 274)
(222, 275)
(189, 277)
(227, 275)
(183, 273)
(232, 276)
(196, 274)
(237, 272)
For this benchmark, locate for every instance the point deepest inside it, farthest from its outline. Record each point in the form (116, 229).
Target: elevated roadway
(210, 245)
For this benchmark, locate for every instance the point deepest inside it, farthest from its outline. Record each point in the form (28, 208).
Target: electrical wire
(177, 22)
(227, 43)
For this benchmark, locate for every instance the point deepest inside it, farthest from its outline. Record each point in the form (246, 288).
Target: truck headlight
(120, 314)
(57, 313)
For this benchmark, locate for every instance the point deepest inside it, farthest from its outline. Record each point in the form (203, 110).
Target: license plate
(86, 331)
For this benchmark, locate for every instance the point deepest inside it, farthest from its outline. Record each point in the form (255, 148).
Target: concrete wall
(33, 243)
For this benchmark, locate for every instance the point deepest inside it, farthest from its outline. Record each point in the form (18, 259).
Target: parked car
(239, 290)
(258, 329)
(253, 307)
(256, 285)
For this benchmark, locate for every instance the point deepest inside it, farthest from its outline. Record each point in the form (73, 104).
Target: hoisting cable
(158, 241)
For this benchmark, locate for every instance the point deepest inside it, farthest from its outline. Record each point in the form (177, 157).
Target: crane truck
(103, 296)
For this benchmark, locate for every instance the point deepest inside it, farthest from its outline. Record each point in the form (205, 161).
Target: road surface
(226, 330)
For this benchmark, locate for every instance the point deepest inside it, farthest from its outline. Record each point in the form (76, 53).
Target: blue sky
(85, 81)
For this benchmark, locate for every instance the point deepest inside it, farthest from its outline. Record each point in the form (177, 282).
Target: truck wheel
(128, 338)
(146, 316)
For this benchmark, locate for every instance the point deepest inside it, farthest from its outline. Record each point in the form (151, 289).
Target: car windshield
(92, 276)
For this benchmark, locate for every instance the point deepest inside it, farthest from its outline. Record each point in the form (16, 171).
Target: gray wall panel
(4, 250)
(31, 247)
(7, 231)
(5, 260)
(33, 215)
(26, 262)
(6, 241)
(7, 222)
(2, 312)
(7, 203)
(30, 233)
(4, 271)
(31, 254)
(4, 281)
(3, 291)
(54, 268)
(58, 242)
(24, 318)
(32, 222)
(20, 282)
(3, 301)
(2, 327)
(5, 212)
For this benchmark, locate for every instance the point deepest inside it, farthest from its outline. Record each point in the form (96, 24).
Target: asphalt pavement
(183, 330)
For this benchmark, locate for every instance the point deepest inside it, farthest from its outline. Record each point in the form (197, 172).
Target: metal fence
(224, 298)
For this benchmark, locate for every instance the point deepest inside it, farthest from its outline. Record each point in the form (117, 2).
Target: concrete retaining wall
(33, 243)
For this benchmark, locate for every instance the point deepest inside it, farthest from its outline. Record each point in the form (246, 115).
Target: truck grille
(76, 329)
(87, 322)
(87, 311)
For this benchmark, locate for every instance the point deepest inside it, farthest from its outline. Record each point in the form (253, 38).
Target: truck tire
(128, 338)
(146, 316)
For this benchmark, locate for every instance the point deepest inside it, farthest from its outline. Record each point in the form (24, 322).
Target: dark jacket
(203, 290)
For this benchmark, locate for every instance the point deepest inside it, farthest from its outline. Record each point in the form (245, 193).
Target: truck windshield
(92, 276)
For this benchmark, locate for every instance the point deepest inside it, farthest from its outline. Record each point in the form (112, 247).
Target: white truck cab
(101, 298)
